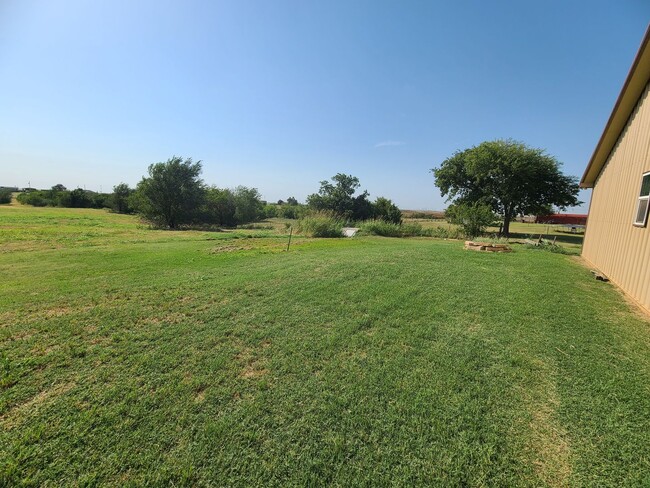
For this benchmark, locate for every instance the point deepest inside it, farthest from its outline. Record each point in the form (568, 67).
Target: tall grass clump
(450, 232)
(414, 229)
(546, 245)
(381, 228)
(321, 224)
(405, 229)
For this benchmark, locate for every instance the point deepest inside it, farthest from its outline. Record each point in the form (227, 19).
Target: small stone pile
(487, 246)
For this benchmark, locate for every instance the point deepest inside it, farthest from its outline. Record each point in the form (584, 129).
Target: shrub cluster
(447, 232)
(408, 229)
(549, 246)
(321, 224)
(380, 228)
(5, 196)
(472, 218)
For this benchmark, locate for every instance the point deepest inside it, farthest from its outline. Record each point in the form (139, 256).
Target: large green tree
(385, 209)
(248, 204)
(219, 207)
(338, 196)
(120, 198)
(173, 194)
(510, 177)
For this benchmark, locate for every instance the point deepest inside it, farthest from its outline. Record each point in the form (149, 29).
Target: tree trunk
(506, 225)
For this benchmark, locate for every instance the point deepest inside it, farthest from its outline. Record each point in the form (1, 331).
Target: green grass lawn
(133, 357)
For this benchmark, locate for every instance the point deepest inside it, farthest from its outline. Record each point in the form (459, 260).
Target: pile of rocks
(487, 246)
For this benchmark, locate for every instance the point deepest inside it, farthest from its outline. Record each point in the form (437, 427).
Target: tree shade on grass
(204, 359)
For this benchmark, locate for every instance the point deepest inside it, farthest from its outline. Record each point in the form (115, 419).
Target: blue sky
(280, 95)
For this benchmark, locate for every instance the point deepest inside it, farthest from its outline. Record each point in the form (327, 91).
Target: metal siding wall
(612, 243)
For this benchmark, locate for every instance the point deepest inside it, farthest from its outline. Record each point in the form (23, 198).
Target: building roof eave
(633, 88)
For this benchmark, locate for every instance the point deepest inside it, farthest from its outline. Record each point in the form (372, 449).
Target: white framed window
(641, 216)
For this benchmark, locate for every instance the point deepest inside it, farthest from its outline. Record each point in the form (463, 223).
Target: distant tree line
(172, 195)
(60, 196)
(290, 209)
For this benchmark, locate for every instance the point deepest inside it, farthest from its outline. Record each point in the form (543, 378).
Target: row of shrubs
(77, 198)
(326, 224)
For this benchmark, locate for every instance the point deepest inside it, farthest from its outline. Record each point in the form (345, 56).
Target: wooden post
(290, 232)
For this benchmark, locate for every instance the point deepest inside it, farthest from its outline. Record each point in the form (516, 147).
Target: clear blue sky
(279, 95)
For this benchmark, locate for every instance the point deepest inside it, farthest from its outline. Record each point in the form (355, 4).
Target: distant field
(423, 214)
(132, 357)
(520, 230)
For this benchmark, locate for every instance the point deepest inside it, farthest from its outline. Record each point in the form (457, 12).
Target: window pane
(645, 186)
(641, 211)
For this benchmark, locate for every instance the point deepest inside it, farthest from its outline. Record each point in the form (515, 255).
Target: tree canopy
(386, 210)
(120, 199)
(339, 197)
(172, 194)
(510, 177)
(220, 207)
(248, 204)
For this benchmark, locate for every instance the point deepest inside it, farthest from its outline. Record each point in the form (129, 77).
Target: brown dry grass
(19, 413)
(548, 445)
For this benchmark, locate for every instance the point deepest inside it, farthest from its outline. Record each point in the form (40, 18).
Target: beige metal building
(617, 238)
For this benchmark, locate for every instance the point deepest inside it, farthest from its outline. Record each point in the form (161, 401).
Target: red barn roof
(572, 219)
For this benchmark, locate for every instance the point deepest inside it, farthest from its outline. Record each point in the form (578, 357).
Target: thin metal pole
(290, 232)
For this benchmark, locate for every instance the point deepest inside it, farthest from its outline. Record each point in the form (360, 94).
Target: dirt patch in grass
(220, 249)
(169, 318)
(18, 414)
(21, 335)
(7, 317)
(57, 312)
(253, 371)
(45, 349)
(199, 394)
(54, 312)
(251, 366)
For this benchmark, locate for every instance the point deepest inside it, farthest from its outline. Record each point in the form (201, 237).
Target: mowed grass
(138, 357)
